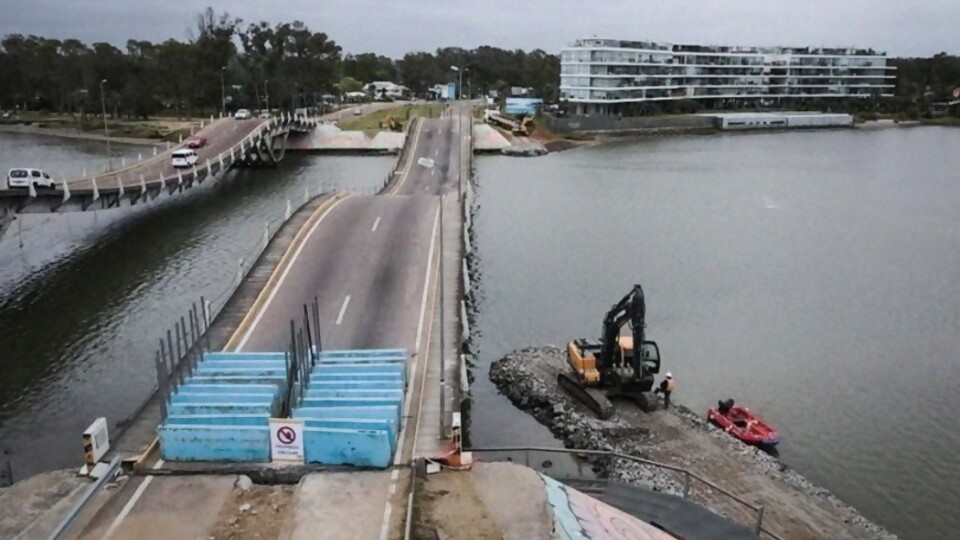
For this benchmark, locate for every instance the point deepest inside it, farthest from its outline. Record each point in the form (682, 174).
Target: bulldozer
(617, 365)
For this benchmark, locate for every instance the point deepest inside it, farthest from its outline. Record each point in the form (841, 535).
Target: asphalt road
(221, 135)
(366, 261)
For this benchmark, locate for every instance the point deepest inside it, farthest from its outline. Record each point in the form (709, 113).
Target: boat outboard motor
(724, 406)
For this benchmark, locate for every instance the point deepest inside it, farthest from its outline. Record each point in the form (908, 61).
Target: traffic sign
(286, 440)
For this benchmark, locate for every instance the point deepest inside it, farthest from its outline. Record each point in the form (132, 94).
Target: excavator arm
(631, 308)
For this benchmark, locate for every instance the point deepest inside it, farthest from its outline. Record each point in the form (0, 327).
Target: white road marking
(385, 525)
(343, 309)
(413, 152)
(283, 277)
(131, 503)
(375, 224)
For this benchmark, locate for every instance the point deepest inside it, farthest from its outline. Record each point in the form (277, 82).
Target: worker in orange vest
(666, 386)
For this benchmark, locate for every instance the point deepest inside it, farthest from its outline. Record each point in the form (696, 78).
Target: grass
(403, 113)
(164, 128)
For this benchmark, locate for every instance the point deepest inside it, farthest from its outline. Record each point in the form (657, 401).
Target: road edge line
(284, 262)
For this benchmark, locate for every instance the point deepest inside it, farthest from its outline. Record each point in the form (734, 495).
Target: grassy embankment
(156, 128)
(370, 123)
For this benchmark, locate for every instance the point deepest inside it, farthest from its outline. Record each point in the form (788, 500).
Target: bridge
(230, 143)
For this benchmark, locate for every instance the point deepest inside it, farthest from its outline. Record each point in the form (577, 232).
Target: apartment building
(608, 76)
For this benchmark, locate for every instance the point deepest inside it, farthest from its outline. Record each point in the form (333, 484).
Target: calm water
(812, 276)
(84, 300)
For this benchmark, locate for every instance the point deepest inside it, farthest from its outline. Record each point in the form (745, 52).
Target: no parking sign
(286, 440)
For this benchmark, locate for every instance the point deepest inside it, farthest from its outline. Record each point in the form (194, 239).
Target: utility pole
(223, 93)
(106, 133)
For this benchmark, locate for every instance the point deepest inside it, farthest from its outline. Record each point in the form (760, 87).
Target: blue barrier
(215, 443)
(347, 447)
(350, 393)
(226, 388)
(265, 409)
(362, 424)
(386, 412)
(348, 384)
(219, 419)
(186, 398)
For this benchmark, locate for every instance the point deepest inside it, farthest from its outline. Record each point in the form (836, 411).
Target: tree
(349, 84)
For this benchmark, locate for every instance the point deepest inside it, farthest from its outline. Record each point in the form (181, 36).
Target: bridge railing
(689, 479)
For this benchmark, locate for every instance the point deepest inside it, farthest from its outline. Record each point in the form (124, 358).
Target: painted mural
(581, 517)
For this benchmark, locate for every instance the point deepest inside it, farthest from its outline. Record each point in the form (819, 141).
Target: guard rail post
(686, 484)
(759, 528)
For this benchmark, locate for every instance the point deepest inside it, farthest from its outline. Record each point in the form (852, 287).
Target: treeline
(287, 65)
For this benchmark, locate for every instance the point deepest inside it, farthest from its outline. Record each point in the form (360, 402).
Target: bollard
(66, 190)
(759, 521)
(306, 194)
(220, 158)
(96, 192)
(179, 179)
(154, 150)
(139, 156)
(239, 271)
(123, 162)
(288, 212)
(180, 137)
(266, 234)
(686, 484)
(143, 187)
(201, 124)
(84, 173)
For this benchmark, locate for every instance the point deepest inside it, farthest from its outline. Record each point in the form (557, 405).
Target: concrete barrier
(231, 443)
(222, 419)
(385, 384)
(367, 448)
(361, 424)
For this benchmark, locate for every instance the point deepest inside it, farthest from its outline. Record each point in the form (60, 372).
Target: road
(221, 135)
(372, 262)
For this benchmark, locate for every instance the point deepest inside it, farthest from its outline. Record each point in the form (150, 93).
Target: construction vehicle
(524, 126)
(617, 366)
(393, 123)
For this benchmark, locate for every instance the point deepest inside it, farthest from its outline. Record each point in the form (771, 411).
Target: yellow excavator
(393, 123)
(614, 366)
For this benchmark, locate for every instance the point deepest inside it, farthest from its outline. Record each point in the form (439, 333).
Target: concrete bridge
(230, 143)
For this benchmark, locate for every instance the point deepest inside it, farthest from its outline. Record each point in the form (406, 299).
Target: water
(83, 302)
(810, 275)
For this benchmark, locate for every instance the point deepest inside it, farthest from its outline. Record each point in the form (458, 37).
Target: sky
(394, 27)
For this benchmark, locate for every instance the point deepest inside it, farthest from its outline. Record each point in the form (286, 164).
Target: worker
(666, 386)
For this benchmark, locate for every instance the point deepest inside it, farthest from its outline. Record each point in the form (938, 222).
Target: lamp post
(459, 80)
(266, 96)
(223, 93)
(106, 133)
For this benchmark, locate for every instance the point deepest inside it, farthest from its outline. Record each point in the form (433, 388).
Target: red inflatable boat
(742, 424)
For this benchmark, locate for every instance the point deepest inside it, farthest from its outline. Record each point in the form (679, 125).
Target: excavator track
(594, 399)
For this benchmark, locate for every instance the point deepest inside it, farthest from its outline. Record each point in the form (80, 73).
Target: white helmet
(669, 375)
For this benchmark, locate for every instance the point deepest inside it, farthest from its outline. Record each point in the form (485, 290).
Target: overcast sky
(393, 27)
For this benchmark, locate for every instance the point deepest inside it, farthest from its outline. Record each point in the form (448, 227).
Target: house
(386, 89)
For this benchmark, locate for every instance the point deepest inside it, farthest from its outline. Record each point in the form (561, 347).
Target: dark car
(196, 142)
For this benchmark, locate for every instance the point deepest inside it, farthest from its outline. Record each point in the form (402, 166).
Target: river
(812, 276)
(85, 298)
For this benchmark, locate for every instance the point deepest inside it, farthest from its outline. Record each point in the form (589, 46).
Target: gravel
(678, 436)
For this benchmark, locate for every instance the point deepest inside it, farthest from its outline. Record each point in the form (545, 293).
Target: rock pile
(678, 436)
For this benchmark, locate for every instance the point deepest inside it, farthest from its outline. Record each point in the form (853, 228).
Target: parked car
(184, 158)
(197, 141)
(242, 114)
(358, 111)
(22, 178)
(6, 114)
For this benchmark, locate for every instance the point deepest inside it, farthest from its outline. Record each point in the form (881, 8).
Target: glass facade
(605, 71)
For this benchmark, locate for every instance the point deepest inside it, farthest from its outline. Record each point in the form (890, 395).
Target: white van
(184, 158)
(22, 178)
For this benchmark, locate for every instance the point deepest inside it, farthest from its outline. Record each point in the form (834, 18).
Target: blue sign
(452, 90)
(522, 106)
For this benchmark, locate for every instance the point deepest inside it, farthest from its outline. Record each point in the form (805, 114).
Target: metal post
(176, 330)
(306, 324)
(316, 322)
(173, 361)
(160, 385)
(106, 133)
(223, 95)
(686, 484)
(183, 328)
(759, 521)
(443, 381)
(206, 316)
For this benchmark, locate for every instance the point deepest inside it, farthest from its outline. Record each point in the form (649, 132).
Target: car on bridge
(242, 114)
(23, 178)
(197, 141)
(184, 158)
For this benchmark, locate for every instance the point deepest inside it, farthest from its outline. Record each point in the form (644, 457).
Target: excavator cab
(613, 364)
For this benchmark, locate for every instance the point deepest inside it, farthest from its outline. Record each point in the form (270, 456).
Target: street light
(106, 134)
(459, 80)
(223, 93)
(266, 95)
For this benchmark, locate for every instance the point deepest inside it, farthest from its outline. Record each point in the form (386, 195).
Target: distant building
(604, 76)
(381, 89)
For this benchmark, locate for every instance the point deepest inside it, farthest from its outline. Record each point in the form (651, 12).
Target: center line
(343, 309)
(375, 223)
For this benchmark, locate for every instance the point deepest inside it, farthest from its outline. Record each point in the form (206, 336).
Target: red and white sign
(286, 440)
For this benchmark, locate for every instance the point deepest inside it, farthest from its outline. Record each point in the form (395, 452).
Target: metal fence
(689, 479)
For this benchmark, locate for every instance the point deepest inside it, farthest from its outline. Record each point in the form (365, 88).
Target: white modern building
(607, 76)
(379, 89)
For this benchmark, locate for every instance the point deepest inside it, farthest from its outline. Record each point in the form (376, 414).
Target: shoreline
(73, 134)
(795, 507)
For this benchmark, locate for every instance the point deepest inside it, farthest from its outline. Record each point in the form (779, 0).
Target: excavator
(617, 365)
(393, 123)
